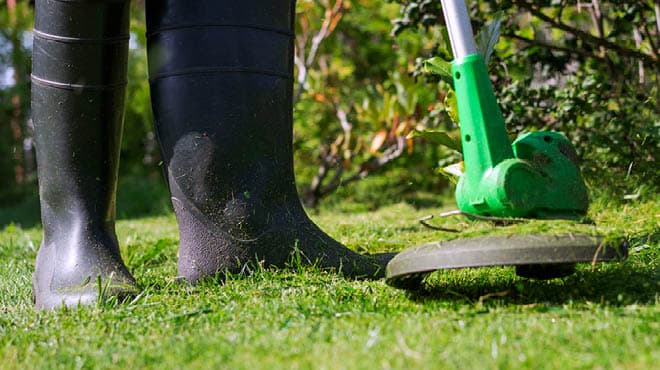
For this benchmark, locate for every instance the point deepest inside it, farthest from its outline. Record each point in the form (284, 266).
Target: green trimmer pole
(537, 176)
(484, 136)
(483, 133)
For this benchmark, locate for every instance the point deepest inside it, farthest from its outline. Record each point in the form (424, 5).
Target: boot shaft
(81, 44)
(221, 86)
(220, 36)
(80, 58)
(266, 14)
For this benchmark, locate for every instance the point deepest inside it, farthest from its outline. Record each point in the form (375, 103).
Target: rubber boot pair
(221, 84)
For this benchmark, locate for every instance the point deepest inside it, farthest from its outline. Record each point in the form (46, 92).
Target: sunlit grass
(306, 318)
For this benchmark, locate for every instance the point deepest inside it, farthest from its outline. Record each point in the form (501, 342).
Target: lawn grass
(306, 318)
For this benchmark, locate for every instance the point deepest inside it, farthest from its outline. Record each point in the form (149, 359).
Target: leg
(78, 93)
(221, 84)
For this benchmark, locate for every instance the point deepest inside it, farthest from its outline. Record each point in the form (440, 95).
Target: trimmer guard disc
(408, 268)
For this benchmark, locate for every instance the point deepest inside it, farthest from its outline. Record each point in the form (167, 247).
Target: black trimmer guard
(535, 256)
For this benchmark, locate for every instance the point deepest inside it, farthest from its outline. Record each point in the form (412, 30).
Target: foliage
(17, 158)
(15, 163)
(357, 102)
(140, 154)
(589, 70)
(364, 84)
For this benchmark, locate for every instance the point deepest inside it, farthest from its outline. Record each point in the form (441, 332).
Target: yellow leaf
(378, 141)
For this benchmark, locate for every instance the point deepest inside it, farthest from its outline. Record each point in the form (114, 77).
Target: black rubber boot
(221, 85)
(78, 93)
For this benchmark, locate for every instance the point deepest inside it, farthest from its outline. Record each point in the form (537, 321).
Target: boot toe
(82, 278)
(47, 297)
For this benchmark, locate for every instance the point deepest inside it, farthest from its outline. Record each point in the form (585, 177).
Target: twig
(493, 295)
(638, 43)
(375, 163)
(577, 51)
(597, 17)
(588, 37)
(303, 62)
(652, 43)
(367, 167)
(656, 9)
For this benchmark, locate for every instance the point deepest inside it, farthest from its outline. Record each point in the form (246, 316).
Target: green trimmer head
(536, 176)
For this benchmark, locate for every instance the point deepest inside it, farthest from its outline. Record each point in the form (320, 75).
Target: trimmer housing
(537, 176)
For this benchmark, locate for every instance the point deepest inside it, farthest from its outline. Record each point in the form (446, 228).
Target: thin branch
(332, 17)
(334, 183)
(316, 189)
(652, 43)
(598, 17)
(11, 8)
(588, 37)
(575, 51)
(366, 168)
(376, 163)
(656, 8)
(638, 42)
(563, 6)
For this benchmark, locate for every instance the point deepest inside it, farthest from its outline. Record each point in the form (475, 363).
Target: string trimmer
(536, 176)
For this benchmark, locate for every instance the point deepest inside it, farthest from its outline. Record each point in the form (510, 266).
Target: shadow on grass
(620, 285)
(136, 197)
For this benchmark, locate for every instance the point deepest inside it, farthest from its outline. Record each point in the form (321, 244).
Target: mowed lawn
(603, 317)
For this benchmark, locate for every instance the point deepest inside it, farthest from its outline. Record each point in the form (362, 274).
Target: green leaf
(451, 106)
(440, 67)
(488, 37)
(437, 137)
